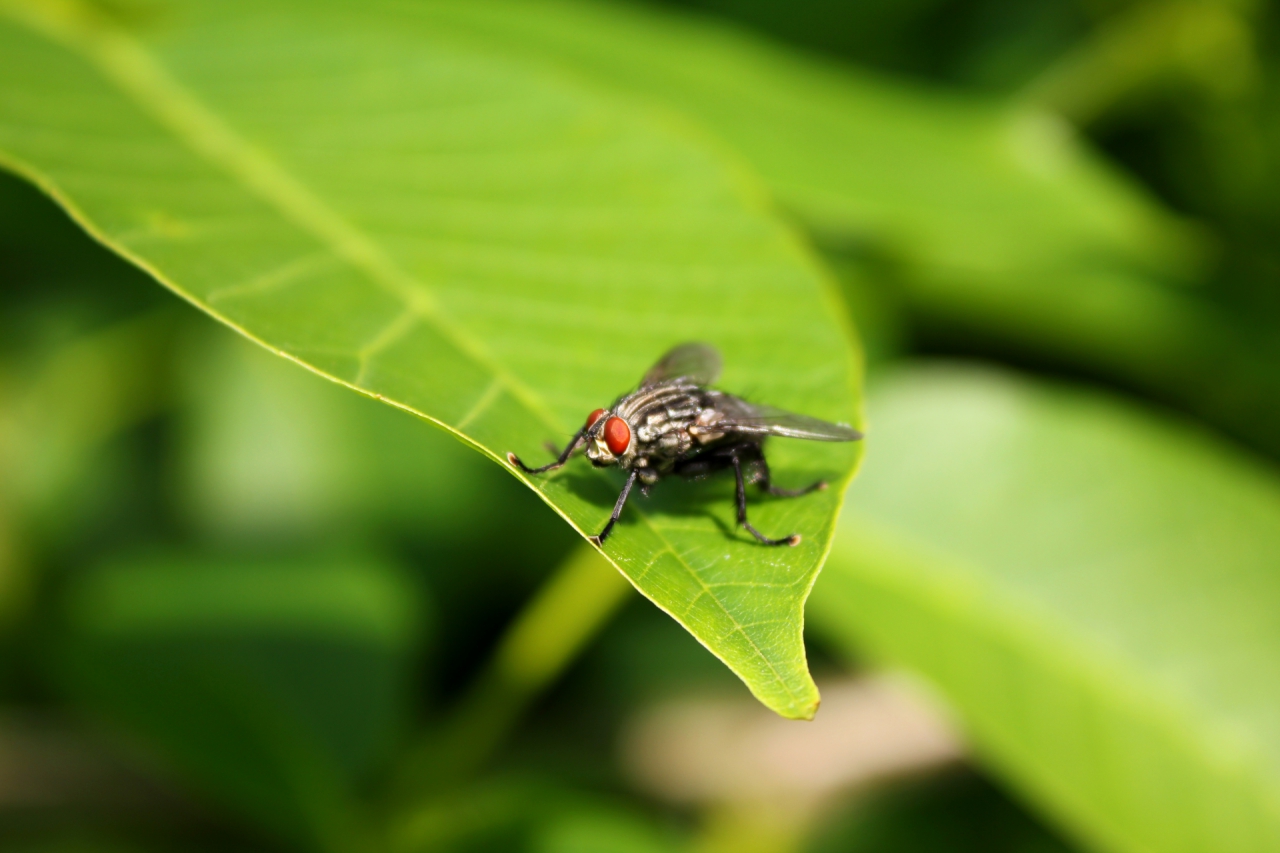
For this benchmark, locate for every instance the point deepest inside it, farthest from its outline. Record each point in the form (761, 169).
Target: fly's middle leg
(793, 539)
(765, 480)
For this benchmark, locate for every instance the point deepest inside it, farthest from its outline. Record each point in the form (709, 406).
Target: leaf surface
(1093, 588)
(475, 239)
(993, 210)
(987, 220)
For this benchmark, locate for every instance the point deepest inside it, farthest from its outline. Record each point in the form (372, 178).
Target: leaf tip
(803, 707)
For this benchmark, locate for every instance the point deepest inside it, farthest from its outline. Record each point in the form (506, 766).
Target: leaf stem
(544, 639)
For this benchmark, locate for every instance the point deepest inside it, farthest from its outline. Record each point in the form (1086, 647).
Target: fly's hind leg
(793, 539)
(766, 482)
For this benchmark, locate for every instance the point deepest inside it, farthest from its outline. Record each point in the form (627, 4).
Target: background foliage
(243, 608)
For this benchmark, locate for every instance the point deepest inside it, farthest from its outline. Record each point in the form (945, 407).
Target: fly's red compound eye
(593, 417)
(617, 436)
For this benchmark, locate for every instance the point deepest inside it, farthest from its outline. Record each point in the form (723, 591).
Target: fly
(674, 424)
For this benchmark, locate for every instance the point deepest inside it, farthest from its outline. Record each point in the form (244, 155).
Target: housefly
(674, 424)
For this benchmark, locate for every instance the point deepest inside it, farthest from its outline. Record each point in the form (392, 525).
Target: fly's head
(610, 440)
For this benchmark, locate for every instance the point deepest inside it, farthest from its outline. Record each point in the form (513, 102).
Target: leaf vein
(286, 274)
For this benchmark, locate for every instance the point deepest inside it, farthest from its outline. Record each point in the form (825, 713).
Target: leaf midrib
(122, 60)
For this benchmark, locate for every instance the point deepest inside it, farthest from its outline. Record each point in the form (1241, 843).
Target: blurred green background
(242, 607)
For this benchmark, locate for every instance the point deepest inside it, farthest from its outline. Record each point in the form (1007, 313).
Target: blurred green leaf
(994, 227)
(1200, 48)
(268, 450)
(999, 217)
(1094, 589)
(533, 817)
(950, 814)
(989, 45)
(991, 223)
(62, 402)
(550, 632)
(269, 456)
(599, 829)
(967, 187)
(275, 685)
(78, 396)
(471, 238)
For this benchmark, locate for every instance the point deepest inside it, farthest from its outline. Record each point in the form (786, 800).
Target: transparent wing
(697, 362)
(748, 418)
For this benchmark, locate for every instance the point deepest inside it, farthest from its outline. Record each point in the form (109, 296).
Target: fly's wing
(699, 363)
(750, 419)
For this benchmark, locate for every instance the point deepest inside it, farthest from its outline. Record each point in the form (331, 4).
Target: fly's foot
(791, 541)
(551, 466)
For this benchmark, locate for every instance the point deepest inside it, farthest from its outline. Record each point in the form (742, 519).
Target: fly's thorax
(661, 416)
(671, 398)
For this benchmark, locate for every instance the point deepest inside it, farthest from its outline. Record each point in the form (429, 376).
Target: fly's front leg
(564, 456)
(766, 482)
(617, 508)
(793, 539)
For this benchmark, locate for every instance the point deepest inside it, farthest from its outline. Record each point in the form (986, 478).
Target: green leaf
(267, 450)
(475, 239)
(588, 831)
(277, 686)
(949, 813)
(993, 210)
(538, 817)
(1093, 588)
(988, 220)
(991, 223)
